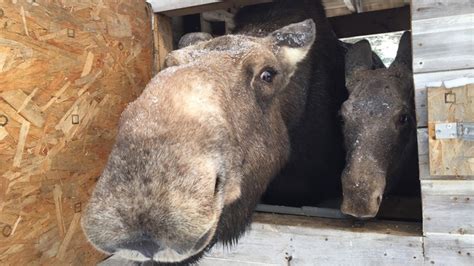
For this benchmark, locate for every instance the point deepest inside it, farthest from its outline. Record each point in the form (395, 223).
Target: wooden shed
(68, 69)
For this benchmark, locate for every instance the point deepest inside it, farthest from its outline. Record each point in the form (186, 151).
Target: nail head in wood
(75, 119)
(450, 97)
(3, 120)
(71, 33)
(77, 207)
(7, 231)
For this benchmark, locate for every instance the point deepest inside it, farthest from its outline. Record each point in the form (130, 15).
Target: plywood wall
(67, 70)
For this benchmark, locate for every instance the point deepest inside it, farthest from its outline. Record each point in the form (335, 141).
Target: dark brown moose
(379, 128)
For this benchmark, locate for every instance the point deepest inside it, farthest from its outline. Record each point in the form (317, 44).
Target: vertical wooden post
(163, 40)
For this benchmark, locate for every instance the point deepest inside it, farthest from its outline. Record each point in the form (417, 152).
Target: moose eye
(267, 75)
(403, 119)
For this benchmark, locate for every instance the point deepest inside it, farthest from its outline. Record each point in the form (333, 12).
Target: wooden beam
(162, 6)
(187, 7)
(163, 40)
(333, 7)
(295, 240)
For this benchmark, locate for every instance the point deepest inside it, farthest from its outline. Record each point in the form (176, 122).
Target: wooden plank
(163, 40)
(423, 9)
(448, 206)
(295, 240)
(444, 249)
(333, 7)
(187, 7)
(442, 44)
(287, 240)
(161, 6)
(450, 156)
(449, 79)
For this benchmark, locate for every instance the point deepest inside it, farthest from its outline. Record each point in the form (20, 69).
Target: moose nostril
(202, 240)
(379, 199)
(147, 247)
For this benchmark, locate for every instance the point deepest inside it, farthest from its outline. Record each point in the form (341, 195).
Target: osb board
(450, 156)
(424, 161)
(67, 70)
(448, 79)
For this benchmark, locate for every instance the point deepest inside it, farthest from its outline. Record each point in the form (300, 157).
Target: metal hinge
(461, 130)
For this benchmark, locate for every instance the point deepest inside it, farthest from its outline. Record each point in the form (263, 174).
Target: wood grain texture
(423, 81)
(423, 9)
(448, 206)
(450, 156)
(298, 240)
(292, 240)
(424, 160)
(445, 249)
(442, 44)
(333, 7)
(67, 70)
(163, 39)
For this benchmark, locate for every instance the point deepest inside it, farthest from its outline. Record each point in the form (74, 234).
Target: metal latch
(462, 130)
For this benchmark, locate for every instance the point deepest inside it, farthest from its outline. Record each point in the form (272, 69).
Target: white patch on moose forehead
(199, 101)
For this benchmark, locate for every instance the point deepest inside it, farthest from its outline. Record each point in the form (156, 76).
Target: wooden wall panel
(67, 70)
(297, 240)
(448, 206)
(333, 7)
(441, 44)
(293, 240)
(427, 9)
(444, 249)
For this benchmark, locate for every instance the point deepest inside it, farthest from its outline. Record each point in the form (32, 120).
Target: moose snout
(145, 245)
(363, 190)
(361, 207)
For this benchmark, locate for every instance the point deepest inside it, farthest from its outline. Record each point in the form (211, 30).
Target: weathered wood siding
(443, 58)
(333, 7)
(67, 70)
(295, 240)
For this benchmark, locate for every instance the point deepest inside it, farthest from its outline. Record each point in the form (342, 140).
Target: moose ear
(193, 38)
(404, 53)
(295, 41)
(358, 57)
